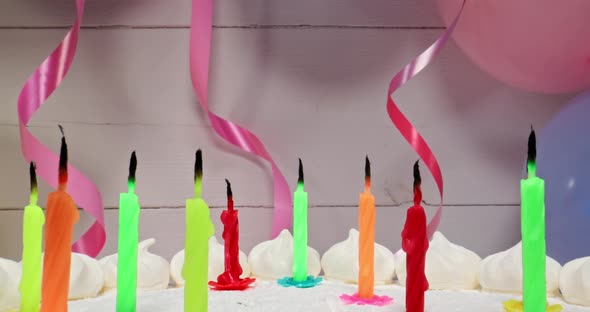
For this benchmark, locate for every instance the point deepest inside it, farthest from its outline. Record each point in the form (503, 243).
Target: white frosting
(273, 259)
(86, 277)
(216, 263)
(268, 296)
(448, 266)
(341, 261)
(153, 271)
(10, 272)
(503, 272)
(574, 281)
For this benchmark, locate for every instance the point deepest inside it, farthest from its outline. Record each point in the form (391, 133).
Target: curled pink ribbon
(408, 131)
(200, 53)
(40, 85)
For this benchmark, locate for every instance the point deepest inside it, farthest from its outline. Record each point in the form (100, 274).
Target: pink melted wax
(376, 300)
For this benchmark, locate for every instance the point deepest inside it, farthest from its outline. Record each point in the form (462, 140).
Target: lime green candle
(533, 235)
(30, 283)
(127, 248)
(199, 229)
(300, 230)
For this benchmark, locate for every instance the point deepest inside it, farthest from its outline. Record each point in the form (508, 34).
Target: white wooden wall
(309, 77)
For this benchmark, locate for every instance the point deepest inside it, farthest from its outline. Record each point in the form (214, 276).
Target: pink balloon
(535, 45)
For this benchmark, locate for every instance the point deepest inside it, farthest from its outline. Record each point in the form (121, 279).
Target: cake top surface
(268, 296)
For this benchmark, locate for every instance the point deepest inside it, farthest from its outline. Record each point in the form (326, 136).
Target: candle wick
(300, 171)
(198, 173)
(230, 200)
(63, 162)
(367, 175)
(132, 170)
(33, 176)
(417, 184)
(531, 153)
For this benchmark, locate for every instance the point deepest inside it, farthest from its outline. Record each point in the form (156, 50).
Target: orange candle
(366, 277)
(62, 214)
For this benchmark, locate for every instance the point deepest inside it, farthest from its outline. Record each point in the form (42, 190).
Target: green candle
(533, 235)
(199, 229)
(300, 230)
(30, 283)
(127, 248)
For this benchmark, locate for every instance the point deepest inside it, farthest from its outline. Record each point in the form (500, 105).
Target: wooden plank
(316, 94)
(176, 13)
(486, 236)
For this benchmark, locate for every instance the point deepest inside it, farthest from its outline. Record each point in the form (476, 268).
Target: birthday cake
(459, 279)
(267, 296)
(359, 274)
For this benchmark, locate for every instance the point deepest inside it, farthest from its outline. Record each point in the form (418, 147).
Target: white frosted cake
(267, 296)
(460, 280)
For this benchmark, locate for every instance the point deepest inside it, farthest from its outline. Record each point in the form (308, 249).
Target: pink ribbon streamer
(408, 131)
(200, 50)
(40, 85)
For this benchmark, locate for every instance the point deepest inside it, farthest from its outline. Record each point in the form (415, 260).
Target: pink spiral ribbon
(408, 131)
(200, 53)
(40, 85)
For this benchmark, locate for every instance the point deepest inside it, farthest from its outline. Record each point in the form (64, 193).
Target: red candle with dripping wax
(415, 244)
(230, 278)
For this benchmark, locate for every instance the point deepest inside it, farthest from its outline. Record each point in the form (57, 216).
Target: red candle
(230, 278)
(231, 236)
(415, 244)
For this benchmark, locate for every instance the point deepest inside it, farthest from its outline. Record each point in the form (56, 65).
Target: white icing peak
(448, 266)
(86, 277)
(216, 263)
(341, 261)
(503, 272)
(153, 271)
(574, 281)
(273, 259)
(10, 273)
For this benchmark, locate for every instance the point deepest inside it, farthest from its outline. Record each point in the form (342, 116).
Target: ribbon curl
(200, 49)
(407, 130)
(200, 54)
(38, 87)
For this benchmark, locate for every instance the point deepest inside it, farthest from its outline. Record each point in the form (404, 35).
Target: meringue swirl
(448, 266)
(341, 262)
(273, 259)
(10, 272)
(153, 271)
(574, 281)
(502, 272)
(86, 277)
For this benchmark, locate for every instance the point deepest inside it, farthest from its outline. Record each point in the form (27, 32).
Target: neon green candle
(30, 283)
(199, 229)
(300, 230)
(533, 235)
(127, 248)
